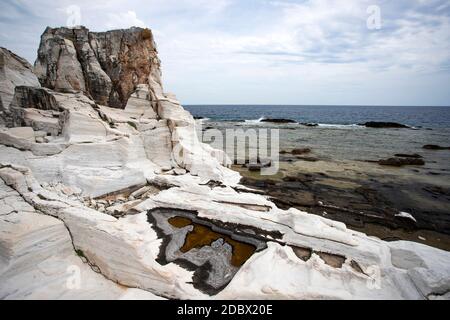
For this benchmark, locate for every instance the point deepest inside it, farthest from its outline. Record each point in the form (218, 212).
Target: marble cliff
(106, 192)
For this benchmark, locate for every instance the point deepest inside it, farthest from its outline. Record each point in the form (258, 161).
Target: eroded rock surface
(102, 171)
(38, 260)
(106, 65)
(214, 253)
(14, 71)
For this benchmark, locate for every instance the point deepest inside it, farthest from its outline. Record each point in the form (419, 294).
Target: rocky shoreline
(365, 201)
(107, 193)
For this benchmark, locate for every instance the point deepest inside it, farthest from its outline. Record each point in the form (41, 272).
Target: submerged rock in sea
(102, 173)
(306, 124)
(301, 151)
(398, 162)
(374, 124)
(435, 147)
(297, 151)
(278, 120)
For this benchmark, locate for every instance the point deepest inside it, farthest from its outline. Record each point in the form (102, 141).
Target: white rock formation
(14, 71)
(38, 261)
(79, 181)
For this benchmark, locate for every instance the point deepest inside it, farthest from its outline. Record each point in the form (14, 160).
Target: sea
(419, 117)
(345, 156)
(338, 134)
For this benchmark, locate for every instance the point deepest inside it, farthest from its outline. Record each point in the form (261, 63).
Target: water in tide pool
(342, 169)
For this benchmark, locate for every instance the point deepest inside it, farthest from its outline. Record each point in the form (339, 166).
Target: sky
(307, 52)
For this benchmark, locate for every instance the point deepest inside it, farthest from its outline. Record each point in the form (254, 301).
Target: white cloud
(124, 20)
(304, 51)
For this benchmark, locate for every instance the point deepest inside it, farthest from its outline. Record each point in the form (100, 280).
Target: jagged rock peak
(107, 66)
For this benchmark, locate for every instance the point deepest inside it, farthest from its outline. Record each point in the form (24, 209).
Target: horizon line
(311, 105)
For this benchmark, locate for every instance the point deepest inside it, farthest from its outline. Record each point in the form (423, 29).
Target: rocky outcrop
(376, 124)
(128, 250)
(398, 162)
(278, 121)
(14, 71)
(107, 66)
(120, 69)
(301, 151)
(38, 260)
(103, 174)
(435, 147)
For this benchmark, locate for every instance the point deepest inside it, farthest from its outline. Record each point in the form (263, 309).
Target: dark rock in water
(308, 159)
(375, 203)
(199, 118)
(309, 124)
(300, 151)
(258, 161)
(254, 167)
(297, 151)
(304, 198)
(278, 121)
(257, 166)
(398, 162)
(374, 124)
(435, 147)
(300, 177)
(298, 198)
(404, 155)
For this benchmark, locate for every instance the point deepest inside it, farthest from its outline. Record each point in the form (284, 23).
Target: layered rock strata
(14, 71)
(103, 174)
(107, 66)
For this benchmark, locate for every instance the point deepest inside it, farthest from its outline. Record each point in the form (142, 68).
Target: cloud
(335, 32)
(262, 51)
(124, 20)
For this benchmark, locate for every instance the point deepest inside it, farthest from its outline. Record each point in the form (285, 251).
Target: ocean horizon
(414, 116)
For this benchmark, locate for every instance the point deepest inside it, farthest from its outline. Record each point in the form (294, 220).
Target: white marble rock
(63, 174)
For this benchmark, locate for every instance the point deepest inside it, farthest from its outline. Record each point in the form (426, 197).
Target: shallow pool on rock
(202, 236)
(212, 251)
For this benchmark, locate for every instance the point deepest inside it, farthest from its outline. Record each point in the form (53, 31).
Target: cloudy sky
(270, 51)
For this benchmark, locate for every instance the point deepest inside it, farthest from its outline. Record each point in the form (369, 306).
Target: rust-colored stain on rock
(202, 236)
